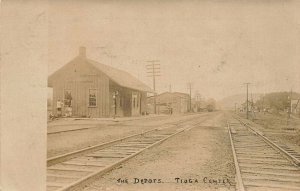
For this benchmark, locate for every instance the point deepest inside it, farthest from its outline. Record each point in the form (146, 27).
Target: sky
(215, 45)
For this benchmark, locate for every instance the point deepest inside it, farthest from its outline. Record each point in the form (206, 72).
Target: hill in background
(229, 102)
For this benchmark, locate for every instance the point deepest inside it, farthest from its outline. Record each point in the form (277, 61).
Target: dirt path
(201, 156)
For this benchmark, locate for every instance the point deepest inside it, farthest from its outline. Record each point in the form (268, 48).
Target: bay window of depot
(92, 98)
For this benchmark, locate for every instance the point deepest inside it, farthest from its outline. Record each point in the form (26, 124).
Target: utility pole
(289, 109)
(290, 102)
(115, 94)
(263, 103)
(197, 101)
(235, 107)
(252, 107)
(190, 89)
(247, 84)
(153, 71)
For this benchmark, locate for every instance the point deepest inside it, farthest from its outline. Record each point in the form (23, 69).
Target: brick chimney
(82, 52)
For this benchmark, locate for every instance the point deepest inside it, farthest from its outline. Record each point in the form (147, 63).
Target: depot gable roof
(120, 77)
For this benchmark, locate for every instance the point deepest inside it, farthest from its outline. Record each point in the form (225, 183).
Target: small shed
(92, 89)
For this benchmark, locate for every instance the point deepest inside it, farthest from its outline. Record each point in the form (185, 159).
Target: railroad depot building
(91, 89)
(169, 103)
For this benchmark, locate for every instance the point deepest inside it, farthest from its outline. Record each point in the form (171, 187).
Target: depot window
(67, 98)
(92, 98)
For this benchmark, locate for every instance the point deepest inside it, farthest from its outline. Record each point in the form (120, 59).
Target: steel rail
(63, 157)
(67, 156)
(267, 169)
(291, 158)
(85, 180)
(93, 126)
(240, 183)
(77, 185)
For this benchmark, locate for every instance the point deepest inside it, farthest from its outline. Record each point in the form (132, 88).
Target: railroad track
(260, 163)
(92, 126)
(75, 170)
(291, 154)
(66, 156)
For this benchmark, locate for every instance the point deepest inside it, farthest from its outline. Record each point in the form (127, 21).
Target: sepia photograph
(150, 95)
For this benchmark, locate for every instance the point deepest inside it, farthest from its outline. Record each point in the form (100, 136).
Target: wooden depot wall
(80, 77)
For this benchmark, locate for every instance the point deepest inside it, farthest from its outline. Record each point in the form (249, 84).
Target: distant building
(251, 106)
(91, 89)
(295, 106)
(198, 103)
(169, 103)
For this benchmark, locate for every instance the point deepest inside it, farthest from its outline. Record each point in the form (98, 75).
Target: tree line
(277, 101)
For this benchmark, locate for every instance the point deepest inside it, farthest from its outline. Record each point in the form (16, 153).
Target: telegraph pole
(197, 101)
(290, 102)
(190, 88)
(235, 107)
(289, 108)
(247, 84)
(153, 71)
